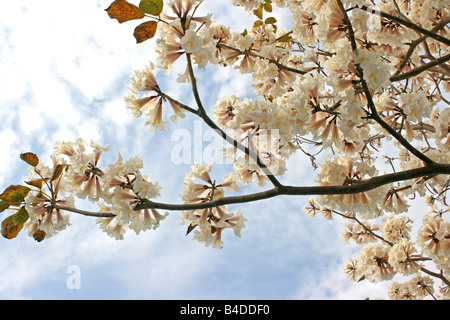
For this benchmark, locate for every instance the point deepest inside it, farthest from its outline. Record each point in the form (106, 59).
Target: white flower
(146, 189)
(374, 263)
(415, 105)
(396, 228)
(400, 257)
(191, 41)
(248, 4)
(376, 72)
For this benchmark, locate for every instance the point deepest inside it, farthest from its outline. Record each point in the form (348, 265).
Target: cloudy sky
(63, 75)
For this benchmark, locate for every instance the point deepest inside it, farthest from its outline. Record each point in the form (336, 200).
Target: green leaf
(14, 194)
(12, 225)
(30, 158)
(35, 183)
(270, 20)
(286, 38)
(3, 206)
(153, 7)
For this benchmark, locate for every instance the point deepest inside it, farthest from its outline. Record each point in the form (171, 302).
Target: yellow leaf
(270, 20)
(35, 183)
(268, 6)
(286, 38)
(258, 23)
(258, 12)
(124, 11)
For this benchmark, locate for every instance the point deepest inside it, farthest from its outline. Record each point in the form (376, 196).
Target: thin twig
(422, 68)
(85, 212)
(252, 54)
(202, 114)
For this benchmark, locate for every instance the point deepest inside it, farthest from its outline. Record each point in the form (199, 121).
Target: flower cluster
(145, 99)
(399, 254)
(209, 223)
(118, 188)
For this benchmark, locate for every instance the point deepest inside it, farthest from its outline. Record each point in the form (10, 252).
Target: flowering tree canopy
(348, 80)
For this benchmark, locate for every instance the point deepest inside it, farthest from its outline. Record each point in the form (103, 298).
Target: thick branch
(362, 186)
(351, 33)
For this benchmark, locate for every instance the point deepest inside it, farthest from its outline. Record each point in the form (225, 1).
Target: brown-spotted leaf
(30, 158)
(14, 194)
(10, 229)
(124, 11)
(39, 235)
(58, 171)
(145, 31)
(12, 225)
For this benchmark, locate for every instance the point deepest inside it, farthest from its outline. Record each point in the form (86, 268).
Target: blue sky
(63, 75)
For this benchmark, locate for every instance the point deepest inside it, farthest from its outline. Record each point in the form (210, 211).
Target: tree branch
(406, 23)
(415, 43)
(202, 114)
(362, 186)
(374, 114)
(85, 212)
(421, 69)
(249, 53)
(437, 275)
